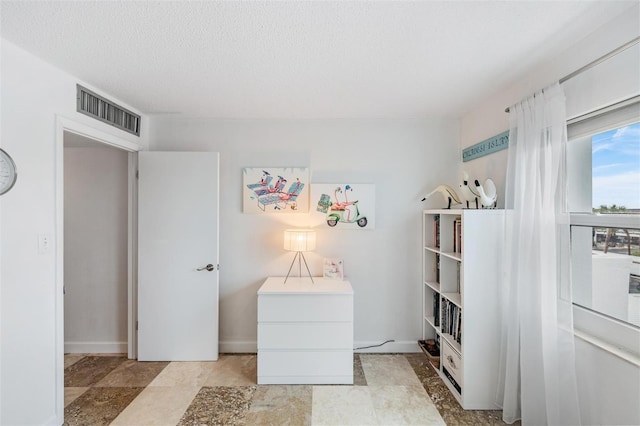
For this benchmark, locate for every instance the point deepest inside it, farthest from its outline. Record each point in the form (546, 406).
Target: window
(603, 172)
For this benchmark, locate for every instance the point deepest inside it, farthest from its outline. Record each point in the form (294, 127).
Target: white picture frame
(332, 269)
(275, 190)
(343, 206)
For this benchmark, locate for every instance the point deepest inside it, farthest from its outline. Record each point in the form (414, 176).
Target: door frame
(65, 124)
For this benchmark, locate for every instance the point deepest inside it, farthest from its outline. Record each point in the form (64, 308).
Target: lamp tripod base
(300, 256)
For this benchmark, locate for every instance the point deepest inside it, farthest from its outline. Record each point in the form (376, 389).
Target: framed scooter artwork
(343, 205)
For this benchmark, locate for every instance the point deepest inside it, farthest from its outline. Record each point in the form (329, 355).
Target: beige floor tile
(233, 370)
(385, 370)
(404, 405)
(342, 405)
(71, 394)
(70, 359)
(157, 406)
(184, 374)
(280, 405)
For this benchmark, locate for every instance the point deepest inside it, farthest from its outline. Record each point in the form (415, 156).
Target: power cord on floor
(375, 346)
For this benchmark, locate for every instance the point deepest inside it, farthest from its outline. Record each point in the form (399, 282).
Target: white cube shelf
(461, 261)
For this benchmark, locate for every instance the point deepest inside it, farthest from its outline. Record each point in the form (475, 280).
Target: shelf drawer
(305, 363)
(305, 308)
(331, 335)
(452, 361)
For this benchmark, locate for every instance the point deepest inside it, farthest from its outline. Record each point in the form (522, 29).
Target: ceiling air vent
(94, 105)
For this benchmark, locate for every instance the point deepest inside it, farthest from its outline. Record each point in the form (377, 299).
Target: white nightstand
(305, 331)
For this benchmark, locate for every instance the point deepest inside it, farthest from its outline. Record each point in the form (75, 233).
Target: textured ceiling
(301, 59)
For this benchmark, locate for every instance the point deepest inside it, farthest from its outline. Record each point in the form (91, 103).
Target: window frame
(620, 221)
(613, 335)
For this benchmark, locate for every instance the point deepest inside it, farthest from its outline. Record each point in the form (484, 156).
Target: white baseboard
(95, 347)
(238, 347)
(402, 346)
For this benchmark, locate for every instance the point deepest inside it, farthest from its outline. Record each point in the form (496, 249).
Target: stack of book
(451, 319)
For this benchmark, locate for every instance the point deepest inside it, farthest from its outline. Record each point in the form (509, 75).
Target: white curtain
(538, 382)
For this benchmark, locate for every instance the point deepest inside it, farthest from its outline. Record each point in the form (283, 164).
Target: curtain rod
(597, 61)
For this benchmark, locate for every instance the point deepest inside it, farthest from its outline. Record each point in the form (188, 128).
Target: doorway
(95, 246)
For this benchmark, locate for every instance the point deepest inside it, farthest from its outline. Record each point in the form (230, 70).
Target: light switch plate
(44, 243)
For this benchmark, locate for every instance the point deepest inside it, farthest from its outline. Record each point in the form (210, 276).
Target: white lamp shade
(299, 239)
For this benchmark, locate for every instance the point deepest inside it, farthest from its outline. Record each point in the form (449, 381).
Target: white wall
(403, 158)
(95, 248)
(609, 391)
(33, 93)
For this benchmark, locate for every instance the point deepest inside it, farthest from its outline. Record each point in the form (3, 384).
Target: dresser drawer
(452, 361)
(305, 366)
(305, 307)
(328, 335)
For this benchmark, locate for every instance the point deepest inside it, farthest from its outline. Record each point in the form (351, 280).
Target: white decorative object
(332, 269)
(447, 192)
(488, 193)
(305, 332)
(469, 193)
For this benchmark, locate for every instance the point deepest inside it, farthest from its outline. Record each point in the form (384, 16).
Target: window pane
(606, 271)
(616, 170)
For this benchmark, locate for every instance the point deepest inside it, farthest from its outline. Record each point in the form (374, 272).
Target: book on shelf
(459, 327)
(436, 309)
(436, 231)
(457, 235)
(452, 380)
(437, 266)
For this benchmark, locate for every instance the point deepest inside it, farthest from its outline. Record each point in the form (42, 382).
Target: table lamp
(299, 240)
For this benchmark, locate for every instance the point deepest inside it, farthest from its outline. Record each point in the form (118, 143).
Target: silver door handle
(209, 268)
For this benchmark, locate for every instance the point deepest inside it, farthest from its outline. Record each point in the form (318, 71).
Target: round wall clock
(8, 173)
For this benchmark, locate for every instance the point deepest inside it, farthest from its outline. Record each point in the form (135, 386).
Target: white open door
(178, 256)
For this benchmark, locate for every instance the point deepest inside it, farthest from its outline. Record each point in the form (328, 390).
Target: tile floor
(389, 389)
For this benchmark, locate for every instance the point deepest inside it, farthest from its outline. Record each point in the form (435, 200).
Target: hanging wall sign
(491, 145)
